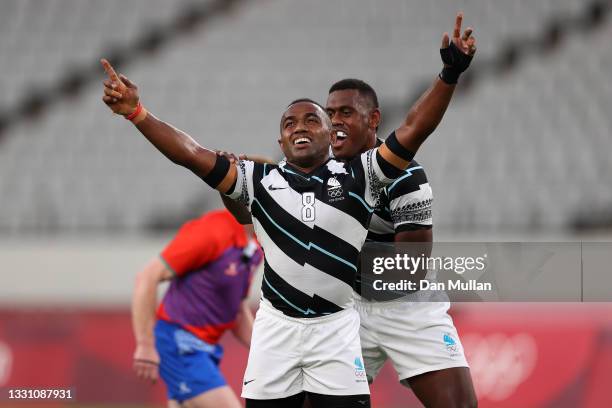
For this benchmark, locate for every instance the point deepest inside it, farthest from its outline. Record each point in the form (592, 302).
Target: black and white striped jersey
(312, 227)
(405, 205)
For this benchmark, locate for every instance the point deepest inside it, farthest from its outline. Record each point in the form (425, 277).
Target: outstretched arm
(428, 110)
(121, 96)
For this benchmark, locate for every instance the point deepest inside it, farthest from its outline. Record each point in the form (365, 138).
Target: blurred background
(523, 154)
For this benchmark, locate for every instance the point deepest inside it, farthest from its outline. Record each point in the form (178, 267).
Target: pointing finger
(109, 70)
(445, 41)
(458, 20)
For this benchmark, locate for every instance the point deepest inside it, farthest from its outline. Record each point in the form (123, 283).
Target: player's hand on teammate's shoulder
(146, 362)
(457, 53)
(120, 94)
(229, 156)
(252, 157)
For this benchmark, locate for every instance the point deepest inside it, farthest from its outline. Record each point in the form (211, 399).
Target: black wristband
(218, 172)
(394, 145)
(449, 75)
(455, 62)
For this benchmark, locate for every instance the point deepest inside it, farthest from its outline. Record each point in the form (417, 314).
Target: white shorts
(418, 337)
(290, 355)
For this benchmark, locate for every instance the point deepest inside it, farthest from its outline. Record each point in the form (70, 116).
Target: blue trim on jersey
(408, 174)
(310, 244)
(304, 177)
(305, 312)
(370, 209)
(264, 169)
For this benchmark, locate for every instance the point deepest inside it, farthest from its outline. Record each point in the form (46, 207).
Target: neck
(307, 168)
(371, 142)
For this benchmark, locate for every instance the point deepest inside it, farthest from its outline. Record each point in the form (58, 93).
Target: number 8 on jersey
(308, 210)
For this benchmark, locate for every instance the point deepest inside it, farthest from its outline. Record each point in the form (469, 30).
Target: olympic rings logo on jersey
(334, 188)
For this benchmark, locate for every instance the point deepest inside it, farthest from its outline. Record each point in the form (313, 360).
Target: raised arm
(121, 96)
(427, 112)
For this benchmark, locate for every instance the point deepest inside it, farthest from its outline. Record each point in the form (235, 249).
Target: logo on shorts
(451, 344)
(359, 370)
(183, 388)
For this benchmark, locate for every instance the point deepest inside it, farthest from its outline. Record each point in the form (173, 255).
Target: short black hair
(306, 100)
(351, 83)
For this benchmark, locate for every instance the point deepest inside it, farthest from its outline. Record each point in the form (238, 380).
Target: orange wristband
(138, 115)
(136, 112)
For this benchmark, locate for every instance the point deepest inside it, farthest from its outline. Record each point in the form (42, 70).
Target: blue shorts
(189, 366)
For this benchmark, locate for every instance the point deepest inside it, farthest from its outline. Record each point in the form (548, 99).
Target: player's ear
(374, 120)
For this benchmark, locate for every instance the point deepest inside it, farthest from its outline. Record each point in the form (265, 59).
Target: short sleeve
(242, 191)
(377, 174)
(201, 241)
(410, 201)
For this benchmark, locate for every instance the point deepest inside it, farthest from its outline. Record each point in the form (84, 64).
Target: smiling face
(354, 120)
(305, 135)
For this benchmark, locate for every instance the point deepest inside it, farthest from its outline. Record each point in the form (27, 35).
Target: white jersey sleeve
(243, 191)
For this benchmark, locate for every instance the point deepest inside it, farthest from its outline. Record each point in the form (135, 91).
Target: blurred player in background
(306, 335)
(209, 264)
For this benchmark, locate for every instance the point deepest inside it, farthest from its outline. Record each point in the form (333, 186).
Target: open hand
(120, 94)
(146, 363)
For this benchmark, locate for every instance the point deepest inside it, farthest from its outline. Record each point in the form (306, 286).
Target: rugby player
(413, 335)
(418, 337)
(209, 263)
(306, 333)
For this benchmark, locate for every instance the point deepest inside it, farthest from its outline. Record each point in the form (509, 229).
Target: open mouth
(301, 141)
(341, 135)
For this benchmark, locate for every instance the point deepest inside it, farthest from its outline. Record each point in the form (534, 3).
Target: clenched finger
(467, 33)
(445, 41)
(127, 82)
(113, 93)
(471, 46)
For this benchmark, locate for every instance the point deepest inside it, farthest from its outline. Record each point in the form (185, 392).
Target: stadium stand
(526, 149)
